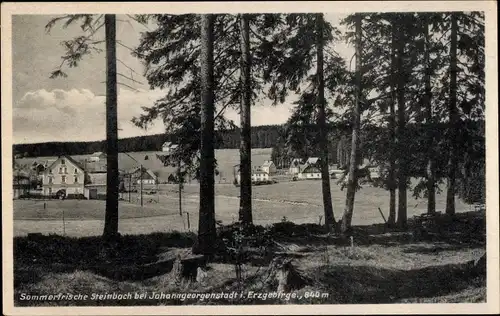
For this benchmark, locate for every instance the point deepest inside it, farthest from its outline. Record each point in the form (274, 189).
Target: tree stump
(287, 277)
(187, 267)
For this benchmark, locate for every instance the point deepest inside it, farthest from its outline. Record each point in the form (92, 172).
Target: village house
(147, 177)
(295, 166)
(21, 183)
(168, 147)
(309, 172)
(269, 167)
(97, 156)
(257, 176)
(64, 175)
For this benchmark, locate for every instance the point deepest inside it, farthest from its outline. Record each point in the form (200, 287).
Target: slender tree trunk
(431, 169)
(111, 216)
(400, 131)
(452, 110)
(352, 180)
(392, 183)
(245, 213)
(206, 226)
(323, 127)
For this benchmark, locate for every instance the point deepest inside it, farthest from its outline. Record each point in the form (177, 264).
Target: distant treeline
(267, 136)
(262, 137)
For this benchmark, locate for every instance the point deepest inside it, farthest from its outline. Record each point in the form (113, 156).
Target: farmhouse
(309, 172)
(269, 167)
(168, 147)
(21, 183)
(258, 175)
(97, 156)
(64, 174)
(148, 176)
(295, 166)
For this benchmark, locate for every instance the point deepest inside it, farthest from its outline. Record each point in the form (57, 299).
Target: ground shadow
(367, 284)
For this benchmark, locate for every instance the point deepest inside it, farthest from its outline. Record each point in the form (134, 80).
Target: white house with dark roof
(269, 167)
(309, 172)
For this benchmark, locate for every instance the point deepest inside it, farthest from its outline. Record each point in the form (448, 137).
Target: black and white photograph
(261, 157)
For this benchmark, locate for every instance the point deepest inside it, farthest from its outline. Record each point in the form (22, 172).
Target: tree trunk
(206, 226)
(391, 221)
(431, 169)
(400, 130)
(245, 213)
(352, 180)
(323, 128)
(452, 110)
(111, 216)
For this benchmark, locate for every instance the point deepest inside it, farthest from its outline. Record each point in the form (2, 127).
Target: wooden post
(189, 224)
(64, 223)
(382, 215)
(142, 204)
(180, 187)
(129, 186)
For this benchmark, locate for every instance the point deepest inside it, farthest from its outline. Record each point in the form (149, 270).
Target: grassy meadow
(381, 266)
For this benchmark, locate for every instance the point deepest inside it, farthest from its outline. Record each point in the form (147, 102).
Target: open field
(298, 202)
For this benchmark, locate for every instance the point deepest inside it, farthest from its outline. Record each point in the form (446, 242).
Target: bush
(74, 196)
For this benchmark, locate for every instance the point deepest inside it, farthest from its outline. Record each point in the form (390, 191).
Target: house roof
(70, 159)
(312, 160)
(94, 166)
(267, 163)
(146, 171)
(310, 169)
(170, 145)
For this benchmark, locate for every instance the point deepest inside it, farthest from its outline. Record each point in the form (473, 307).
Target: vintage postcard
(250, 158)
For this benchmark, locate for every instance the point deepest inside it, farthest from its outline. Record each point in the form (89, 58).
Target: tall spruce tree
(353, 161)
(245, 212)
(206, 227)
(75, 50)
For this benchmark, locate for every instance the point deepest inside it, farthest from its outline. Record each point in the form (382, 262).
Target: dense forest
(262, 137)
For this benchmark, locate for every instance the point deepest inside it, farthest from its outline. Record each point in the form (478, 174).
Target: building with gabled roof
(64, 174)
(309, 172)
(269, 167)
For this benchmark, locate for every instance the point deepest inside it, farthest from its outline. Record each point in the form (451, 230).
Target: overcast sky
(73, 108)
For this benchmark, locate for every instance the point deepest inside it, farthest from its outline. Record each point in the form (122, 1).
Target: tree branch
(129, 78)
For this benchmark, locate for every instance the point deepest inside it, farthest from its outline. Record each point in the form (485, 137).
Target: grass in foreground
(382, 267)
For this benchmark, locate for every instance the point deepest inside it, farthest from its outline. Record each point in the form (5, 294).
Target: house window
(76, 171)
(60, 170)
(63, 179)
(50, 180)
(62, 162)
(76, 179)
(65, 170)
(50, 171)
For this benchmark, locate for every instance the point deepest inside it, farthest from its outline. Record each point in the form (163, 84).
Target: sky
(73, 108)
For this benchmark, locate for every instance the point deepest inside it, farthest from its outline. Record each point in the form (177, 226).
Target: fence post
(64, 223)
(189, 224)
